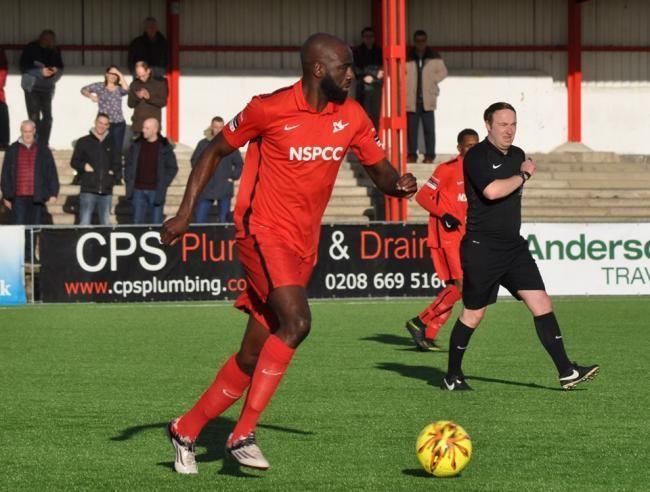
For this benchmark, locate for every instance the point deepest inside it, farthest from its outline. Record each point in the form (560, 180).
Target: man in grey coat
(424, 70)
(221, 185)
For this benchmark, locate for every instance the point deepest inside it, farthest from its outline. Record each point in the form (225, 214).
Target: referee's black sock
(548, 332)
(458, 342)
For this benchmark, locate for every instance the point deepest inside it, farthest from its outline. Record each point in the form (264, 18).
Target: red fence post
(574, 72)
(393, 121)
(173, 31)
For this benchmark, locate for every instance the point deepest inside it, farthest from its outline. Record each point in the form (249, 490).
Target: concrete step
(586, 193)
(636, 209)
(70, 219)
(631, 212)
(582, 203)
(576, 157)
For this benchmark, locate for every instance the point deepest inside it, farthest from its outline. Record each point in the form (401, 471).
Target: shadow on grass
(213, 439)
(416, 472)
(390, 339)
(433, 376)
(516, 383)
(419, 472)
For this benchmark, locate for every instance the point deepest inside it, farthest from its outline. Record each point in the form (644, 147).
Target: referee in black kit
(493, 252)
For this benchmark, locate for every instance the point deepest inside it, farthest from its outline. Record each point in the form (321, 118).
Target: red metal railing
(393, 121)
(290, 49)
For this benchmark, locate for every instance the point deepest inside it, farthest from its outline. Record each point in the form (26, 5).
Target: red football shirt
(444, 193)
(292, 161)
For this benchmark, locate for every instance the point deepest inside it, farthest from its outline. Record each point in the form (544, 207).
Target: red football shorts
(269, 264)
(446, 261)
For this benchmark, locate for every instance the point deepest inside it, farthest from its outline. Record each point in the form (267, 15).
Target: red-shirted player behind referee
(298, 137)
(443, 196)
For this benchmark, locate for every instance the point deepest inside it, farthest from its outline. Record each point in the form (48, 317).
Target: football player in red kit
(298, 135)
(443, 196)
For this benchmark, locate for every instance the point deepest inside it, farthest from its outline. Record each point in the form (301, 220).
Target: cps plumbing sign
(130, 264)
(593, 259)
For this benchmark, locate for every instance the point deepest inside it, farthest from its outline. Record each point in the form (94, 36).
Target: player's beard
(332, 90)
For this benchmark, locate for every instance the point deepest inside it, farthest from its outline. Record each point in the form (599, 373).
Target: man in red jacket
(443, 196)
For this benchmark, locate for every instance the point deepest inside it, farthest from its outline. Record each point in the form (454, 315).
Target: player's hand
(173, 229)
(407, 185)
(7, 204)
(450, 223)
(528, 166)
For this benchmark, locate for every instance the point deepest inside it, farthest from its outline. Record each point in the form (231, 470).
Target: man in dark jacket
(149, 170)
(42, 66)
(221, 186)
(98, 165)
(147, 97)
(369, 69)
(150, 47)
(29, 178)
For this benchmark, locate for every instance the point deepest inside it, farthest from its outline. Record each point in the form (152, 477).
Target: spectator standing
(152, 47)
(108, 97)
(369, 70)
(147, 97)
(221, 186)
(29, 178)
(42, 66)
(149, 170)
(4, 110)
(97, 160)
(424, 70)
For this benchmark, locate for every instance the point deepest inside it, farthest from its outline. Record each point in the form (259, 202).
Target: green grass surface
(86, 391)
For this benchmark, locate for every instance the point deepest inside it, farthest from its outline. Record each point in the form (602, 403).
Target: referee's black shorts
(487, 264)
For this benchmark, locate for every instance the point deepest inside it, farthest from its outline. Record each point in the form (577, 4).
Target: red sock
(433, 327)
(434, 314)
(271, 366)
(227, 388)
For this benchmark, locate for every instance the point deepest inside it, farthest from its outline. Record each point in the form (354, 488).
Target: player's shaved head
(320, 47)
(327, 66)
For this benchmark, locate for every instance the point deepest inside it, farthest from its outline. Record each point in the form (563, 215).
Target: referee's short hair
(464, 133)
(493, 108)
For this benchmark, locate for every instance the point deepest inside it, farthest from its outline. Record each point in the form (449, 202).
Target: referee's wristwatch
(525, 175)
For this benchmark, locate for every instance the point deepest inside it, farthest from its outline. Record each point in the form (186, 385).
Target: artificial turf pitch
(86, 391)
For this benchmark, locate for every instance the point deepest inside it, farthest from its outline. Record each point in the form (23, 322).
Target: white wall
(615, 118)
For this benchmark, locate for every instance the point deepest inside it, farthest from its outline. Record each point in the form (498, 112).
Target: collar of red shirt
(303, 105)
(23, 144)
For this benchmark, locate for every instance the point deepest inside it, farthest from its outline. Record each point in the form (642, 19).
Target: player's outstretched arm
(387, 180)
(175, 227)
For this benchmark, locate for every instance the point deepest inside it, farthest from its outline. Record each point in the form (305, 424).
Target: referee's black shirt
(495, 219)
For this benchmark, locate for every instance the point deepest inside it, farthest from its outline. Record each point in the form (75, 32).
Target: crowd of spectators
(146, 160)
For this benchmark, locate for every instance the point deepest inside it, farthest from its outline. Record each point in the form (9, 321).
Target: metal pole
(394, 96)
(173, 77)
(574, 72)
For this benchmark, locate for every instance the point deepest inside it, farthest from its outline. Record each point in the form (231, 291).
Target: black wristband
(525, 175)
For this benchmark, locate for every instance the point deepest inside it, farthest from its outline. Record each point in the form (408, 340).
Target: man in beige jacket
(424, 69)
